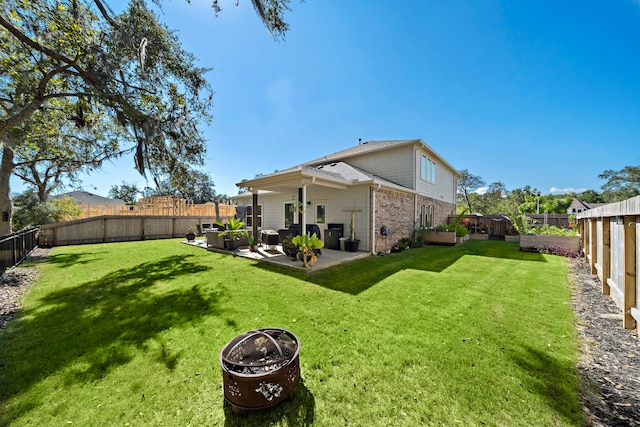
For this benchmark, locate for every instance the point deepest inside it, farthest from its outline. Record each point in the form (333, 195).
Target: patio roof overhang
(291, 180)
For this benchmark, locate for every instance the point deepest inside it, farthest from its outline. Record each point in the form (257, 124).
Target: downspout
(303, 197)
(373, 219)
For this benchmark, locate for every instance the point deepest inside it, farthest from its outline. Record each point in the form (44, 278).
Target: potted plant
(306, 244)
(352, 243)
(288, 247)
(191, 233)
(234, 230)
(252, 243)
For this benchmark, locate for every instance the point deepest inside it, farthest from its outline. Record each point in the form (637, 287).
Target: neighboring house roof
(578, 205)
(86, 198)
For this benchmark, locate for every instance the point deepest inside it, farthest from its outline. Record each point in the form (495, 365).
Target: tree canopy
(125, 191)
(468, 184)
(622, 184)
(91, 69)
(30, 211)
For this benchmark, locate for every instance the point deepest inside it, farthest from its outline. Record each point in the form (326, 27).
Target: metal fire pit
(260, 368)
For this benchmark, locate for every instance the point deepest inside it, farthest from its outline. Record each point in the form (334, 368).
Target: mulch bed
(609, 365)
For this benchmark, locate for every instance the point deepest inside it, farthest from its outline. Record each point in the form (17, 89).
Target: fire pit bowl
(260, 368)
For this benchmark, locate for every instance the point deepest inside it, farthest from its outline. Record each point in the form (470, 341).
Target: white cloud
(556, 190)
(481, 190)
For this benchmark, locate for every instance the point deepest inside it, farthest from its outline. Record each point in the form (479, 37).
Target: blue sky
(539, 93)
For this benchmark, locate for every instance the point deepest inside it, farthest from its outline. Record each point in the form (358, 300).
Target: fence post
(629, 298)
(593, 244)
(606, 255)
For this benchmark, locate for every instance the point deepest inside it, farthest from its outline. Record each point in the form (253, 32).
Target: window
(428, 169)
(321, 214)
(250, 216)
(426, 216)
(289, 212)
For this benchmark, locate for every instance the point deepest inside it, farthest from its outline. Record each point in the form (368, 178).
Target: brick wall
(398, 210)
(395, 209)
(441, 209)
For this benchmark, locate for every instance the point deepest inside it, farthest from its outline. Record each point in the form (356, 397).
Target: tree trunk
(6, 207)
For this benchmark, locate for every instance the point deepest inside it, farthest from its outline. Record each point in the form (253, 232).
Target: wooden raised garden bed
(442, 238)
(538, 241)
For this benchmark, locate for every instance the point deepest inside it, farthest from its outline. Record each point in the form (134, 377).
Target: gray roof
(334, 169)
(370, 146)
(332, 173)
(86, 198)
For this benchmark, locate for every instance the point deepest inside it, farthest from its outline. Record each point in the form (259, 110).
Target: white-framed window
(250, 216)
(428, 169)
(321, 213)
(289, 213)
(426, 216)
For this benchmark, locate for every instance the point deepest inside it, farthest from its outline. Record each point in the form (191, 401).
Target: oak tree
(126, 69)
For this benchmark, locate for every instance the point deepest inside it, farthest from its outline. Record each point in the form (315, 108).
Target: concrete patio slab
(275, 256)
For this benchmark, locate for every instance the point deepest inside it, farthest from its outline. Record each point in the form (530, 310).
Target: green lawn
(130, 334)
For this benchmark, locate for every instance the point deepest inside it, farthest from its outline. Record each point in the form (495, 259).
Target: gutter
(373, 217)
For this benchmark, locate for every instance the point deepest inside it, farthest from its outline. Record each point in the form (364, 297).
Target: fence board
(612, 249)
(118, 228)
(616, 279)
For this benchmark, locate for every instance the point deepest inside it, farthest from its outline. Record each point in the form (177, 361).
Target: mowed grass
(130, 334)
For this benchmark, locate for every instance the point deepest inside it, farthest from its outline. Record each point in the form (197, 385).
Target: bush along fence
(612, 250)
(15, 247)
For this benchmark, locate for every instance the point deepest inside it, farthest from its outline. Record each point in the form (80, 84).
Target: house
(89, 199)
(390, 187)
(578, 206)
(93, 205)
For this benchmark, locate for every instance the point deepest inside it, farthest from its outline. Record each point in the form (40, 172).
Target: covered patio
(296, 185)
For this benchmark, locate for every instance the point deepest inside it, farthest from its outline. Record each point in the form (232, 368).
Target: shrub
(461, 230)
(419, 236)
(552, 250)
(552, 230)
(443, 227)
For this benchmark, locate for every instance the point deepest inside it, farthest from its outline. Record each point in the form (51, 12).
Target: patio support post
(254, 222)
(303, 225)
(301, 202)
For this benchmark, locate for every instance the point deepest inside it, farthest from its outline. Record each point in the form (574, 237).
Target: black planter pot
(292, 252)
(351, 245)
(190, 236)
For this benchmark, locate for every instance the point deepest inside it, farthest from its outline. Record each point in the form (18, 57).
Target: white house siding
(444, 189)
(393, 165)
(338, 201)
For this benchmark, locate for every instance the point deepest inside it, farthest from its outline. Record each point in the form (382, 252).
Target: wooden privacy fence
(611, 248)
(112, 228)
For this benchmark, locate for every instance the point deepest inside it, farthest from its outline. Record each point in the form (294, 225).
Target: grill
(270, 238)
(260, 368)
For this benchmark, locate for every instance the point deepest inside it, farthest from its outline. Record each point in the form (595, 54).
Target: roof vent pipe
(359, 141)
